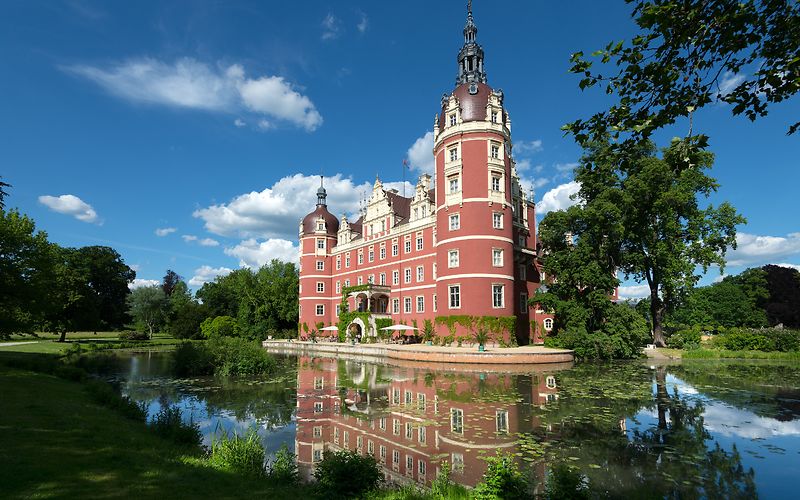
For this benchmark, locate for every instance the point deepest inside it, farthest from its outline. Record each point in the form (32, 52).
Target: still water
(632, 429)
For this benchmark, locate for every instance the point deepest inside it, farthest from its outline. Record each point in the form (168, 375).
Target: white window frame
(320, 243)
(420, 303)
(395, 249)
(454, 291)
(457, 420)
(371, 255)
(497, 220)
(320, 310)
(338, 262)
(420, 273)
(453, 259)
(407, 246)
(395, 306)
(502, 288)
(548, 324)
(420, 244)
(383, 279)
(407, 305)
(382, 253)
(407, 275)
(454, 222)
(497, 257)
(453, 184)
(497, 183)
(320, 287)
(320, 265)
(501, 421)
(395, 277)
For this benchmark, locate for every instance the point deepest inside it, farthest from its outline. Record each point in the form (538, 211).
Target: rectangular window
(346, 283)
(371, 255)
(456, 420)
(455, 222)
(419, 242)
(320, 265)
(407, 304)
(422, 469)
(457, 459)
(320, 309)
(383, 454)
(360, 280)
(395, 277)
(497, 220)
(319, 383)
(359, 443)
(523, 272)
(394, 249)
(421, 401)
(336, 435)
(371, 279)
(395, 427)
(346, 439)
(434, 302)
(338, 262)
(407, 246)
(409, 397)
(321, 244)
(494, 116)
(396, 394)
(409, 465)
(420, 273)
(452, 119)
(347, 260)
(360, 258)
(338, 287)
(408, 275)
(501, 421)
(396, 456)
(497, 295)
(495, 151)
(453, 154)
(383, 279)
(497, 257)
(395, 306)
(420, 304)
(320, 287)
(455, 296)
(318, 407)
(382, 423)
(383, 253)
(317, 456)
(370, 447)
(523, 302)
(318, 431)
(495, 183)
(409, 431)
(452, 258)
(453, 183)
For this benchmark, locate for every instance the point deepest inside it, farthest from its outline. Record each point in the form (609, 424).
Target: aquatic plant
(238, 454)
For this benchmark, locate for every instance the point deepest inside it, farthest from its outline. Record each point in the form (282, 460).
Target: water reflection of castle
(411, 420)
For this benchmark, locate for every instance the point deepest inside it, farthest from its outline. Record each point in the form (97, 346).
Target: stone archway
(357, 329)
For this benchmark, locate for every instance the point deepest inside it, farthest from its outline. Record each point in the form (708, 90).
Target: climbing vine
(495, 324)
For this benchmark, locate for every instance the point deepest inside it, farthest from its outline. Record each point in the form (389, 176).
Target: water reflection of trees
(590, 448)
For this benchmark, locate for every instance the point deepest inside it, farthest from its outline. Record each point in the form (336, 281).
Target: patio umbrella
(405, 329)
(331, 328)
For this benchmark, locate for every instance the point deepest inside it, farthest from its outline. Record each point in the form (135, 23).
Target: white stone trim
(387, 265)
(475, 237)
(476, 275)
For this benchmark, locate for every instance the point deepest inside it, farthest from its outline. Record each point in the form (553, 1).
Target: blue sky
(187, 135)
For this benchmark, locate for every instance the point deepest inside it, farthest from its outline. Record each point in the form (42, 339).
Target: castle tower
(482, 212)
(317, 239)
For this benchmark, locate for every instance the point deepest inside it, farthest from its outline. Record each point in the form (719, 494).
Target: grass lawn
(48, 344)
(56, 442)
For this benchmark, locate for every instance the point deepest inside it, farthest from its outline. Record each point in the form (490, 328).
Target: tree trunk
(63, 336)
(150, 327)
(657, 314)
(662, 399)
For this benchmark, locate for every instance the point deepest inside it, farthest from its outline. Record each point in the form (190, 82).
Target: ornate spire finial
(470, 58)
(322, 195)
(469, 7)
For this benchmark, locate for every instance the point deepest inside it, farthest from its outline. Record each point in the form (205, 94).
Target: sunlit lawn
(48, 343)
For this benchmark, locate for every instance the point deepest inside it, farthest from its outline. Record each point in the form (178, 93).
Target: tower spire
(470, 57)
(322, 195)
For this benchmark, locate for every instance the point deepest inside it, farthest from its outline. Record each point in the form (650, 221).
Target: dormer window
(494, 116)
(452, 119)
(320, 226)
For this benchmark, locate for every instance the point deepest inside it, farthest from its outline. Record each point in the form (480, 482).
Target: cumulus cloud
(275, 212)
(70, 204)
(331, 27)
(565, 167)
(188, 238)
(363, 23)
(528, 147)
(239, 123)
(139, 282)
(558, 198)
(420, 154)
(399, 186)
(164, 231)
(634, 291)
(188, 83)
(790, 266)
(254, 254)
(752, 249)
(206, 242)
(729, 82)
(204, 274)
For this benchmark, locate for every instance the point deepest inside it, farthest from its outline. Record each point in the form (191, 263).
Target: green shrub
(681, 338)
(109, 396)
(192, 358)
(133, 335)
(563, 482)
(221, 326)
(222, 356)
(502, 480)
(347, 474)
(168, 424)
(283, 468)
(238, 454)
(442, 487)
(621, 337)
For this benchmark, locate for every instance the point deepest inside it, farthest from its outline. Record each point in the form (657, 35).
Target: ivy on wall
(494, 324)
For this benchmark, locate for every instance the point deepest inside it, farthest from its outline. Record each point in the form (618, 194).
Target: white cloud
(188, 238)
(558, 198)
(139, 282)
(163, 231)
(188, 83)
(204, 274)
(409, 187)
(528, 147)
(70, 204)
(420, 154)
(790, 266)
(208, 242)
(754, 249)
(363, 24)
(331, 27)
(729, 82)
(634, 291)
(277, 211)
(565, 167)
(254, 254)
(239, 122)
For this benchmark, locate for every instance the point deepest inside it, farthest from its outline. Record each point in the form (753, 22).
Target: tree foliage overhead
(3, 193)
(688, 54)
(783, 303)
(639, 214)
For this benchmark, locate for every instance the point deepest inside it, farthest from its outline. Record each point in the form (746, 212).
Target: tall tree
(783, 303)
(27, 263)
(171, 279)
(644, 216)
(108, 276)
(3, 193)
(72, 304)
(688, 54)
(148, 306)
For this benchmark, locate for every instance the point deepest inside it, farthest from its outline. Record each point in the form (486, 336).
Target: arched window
(550, 382)
(548, 324)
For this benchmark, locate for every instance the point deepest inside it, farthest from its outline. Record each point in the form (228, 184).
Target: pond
(627, 429)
